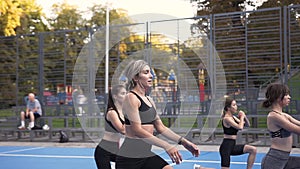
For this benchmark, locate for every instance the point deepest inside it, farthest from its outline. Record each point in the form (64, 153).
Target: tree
(20, 22)
(10, 13)
(20, 17)
(67, 17)
(116, 16)
(207, 7)
(31, 18)
(275, 3)
(227, 31)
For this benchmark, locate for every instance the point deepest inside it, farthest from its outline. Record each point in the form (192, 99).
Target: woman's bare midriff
(233, 137)
(283, 144)
(114, 137)
(147, 127)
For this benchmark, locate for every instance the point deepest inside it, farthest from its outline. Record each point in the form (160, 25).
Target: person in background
(107, 149)
(141, 119)
(231, 125)
(62, 97)
(33, 111)
(281, 126)
(81, 100)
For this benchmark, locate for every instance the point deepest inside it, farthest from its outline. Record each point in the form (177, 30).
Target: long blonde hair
(132, 70)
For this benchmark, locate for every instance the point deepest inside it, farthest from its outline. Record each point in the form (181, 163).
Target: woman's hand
(174, 155)
(241, 114)
(191, 147)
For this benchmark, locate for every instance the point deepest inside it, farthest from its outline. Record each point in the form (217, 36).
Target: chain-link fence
(195, 60)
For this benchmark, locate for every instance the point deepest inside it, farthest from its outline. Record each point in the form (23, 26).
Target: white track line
(43, 156)
(20, 150)
(215, 162)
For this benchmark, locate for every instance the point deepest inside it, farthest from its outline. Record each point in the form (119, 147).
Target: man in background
(33, 111)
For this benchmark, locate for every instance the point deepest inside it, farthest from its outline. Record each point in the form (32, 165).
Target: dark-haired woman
(107, 149)
(281, 126)
(231, 125)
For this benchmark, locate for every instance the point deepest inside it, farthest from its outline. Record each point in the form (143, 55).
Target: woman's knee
(250, 149)
(168, 167)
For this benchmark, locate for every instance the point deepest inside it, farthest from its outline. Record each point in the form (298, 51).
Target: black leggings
(106, 152)
(136, 154)
(228, 148)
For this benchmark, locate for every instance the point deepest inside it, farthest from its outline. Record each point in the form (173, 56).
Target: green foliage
(66, 17)
(20, 17)
(276, 3)
(10, 13)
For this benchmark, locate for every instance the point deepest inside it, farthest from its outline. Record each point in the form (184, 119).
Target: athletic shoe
(196, 166)
(46, 127)
(29, 128)
(21, 127)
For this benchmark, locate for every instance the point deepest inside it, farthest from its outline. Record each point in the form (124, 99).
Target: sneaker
(29, 128)
(21, 127)
(46, 127)
(196, 166)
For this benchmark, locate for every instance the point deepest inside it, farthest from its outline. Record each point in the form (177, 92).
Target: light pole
(107, 50)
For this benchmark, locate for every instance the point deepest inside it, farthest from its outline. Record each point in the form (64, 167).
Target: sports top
(231, 130)
(109, 126)
(281, 133)
(147, 114)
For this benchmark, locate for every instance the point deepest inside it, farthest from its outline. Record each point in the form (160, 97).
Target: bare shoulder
(273, 116)
(277, 118)
(131, 99)
(227, 120)
(111, 112)
(131, 96)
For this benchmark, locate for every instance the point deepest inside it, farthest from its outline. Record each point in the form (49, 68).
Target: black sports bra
(109, 126)
(281, 133)
(147, 114)
(231, 130)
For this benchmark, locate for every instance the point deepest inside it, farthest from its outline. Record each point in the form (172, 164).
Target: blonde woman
(141, 119)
